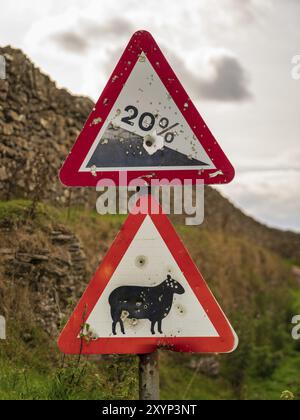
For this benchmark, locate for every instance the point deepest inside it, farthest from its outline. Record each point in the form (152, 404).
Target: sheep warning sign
(147, 294)
(146, 124)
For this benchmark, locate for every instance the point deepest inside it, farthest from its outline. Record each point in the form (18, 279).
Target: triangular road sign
(146, 124)
(146, 294)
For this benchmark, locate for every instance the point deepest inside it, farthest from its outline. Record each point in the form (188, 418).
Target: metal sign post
(149, 376)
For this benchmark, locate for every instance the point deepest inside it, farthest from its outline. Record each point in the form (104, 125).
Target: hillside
(47, 261)
(49, 250)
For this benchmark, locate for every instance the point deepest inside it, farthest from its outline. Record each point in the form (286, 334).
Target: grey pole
(149, 376)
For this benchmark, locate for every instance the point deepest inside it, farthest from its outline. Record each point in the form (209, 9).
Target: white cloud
(225, 80)
(272, 196)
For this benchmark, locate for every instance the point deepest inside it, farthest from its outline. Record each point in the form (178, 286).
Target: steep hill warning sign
(146, 124)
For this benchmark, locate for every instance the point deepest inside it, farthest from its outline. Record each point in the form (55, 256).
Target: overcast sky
(234, 58)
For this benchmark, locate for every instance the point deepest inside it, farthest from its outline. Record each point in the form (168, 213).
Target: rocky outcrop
(38, 125)
(208, 365)
(51, 276)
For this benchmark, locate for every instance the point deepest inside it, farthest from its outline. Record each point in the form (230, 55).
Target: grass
(36, 370)
(296, 301)
(284, 378)
(178, 382)
(13, 210)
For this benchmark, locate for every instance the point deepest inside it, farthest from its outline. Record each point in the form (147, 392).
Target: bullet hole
(149, 142)
(94, 170)
(153, 143)
(132, 322)
(97, 121)
(124, 315)
(180, 309)
(141, 261)
(215, 174)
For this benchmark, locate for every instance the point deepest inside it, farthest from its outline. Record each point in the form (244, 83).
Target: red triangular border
(70, 343)
(143, 41)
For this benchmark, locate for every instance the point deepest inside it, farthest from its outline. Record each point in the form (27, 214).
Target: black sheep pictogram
(153, 303)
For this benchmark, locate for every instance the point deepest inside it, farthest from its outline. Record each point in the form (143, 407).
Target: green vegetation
(35, 370)
(254, 286)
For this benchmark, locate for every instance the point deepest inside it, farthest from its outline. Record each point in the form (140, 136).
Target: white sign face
(146, 129)
(149, 275)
